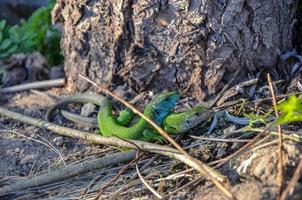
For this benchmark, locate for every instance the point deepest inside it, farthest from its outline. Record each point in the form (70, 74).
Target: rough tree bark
(192, 45)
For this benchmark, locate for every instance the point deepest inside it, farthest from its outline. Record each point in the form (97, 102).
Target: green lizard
(156, 110)
(173, 123)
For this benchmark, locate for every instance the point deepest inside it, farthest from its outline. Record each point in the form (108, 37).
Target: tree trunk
(193, 46)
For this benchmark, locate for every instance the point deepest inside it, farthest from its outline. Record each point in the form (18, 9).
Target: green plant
(1, 74)
(291, 110)
(256, 118)
(8, 44)
(34, 34)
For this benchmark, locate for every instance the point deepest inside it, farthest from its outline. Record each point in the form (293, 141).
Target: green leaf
(2, 25)
(4, 54)
(14, 34)
(12, 49)
(291, 110)
(5, 44)
(31, 35)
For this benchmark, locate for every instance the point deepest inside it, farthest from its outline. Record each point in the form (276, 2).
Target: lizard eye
(188, 122)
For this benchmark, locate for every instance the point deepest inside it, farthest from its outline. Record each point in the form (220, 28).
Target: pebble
(17, 150)
(59, 141)
(27, 159)
(88, 109)
(123, 92)
(221, 153)
(229, 130)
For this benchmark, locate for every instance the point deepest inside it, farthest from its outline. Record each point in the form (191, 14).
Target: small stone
(235, 146)
(22, 152)
(123, 92)
(59, 141)
(229, 130)
(17, 150)
(27, 159)
(88, 109)
(221, 152)
(32, 135)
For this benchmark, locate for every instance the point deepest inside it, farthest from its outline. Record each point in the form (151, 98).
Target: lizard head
(162, 105)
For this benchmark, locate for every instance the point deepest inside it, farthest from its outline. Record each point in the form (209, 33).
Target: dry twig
(219, 139)
(98, 139)
(242, 149)
(280, 167)
(293, 181)
(129, 183)
(64, 172)
(207, 171)
(101, 191)
(145, 182)
(34, 85)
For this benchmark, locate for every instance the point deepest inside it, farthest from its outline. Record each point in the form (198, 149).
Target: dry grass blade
(207, 171)
(102, 190)
(98, 139)
(86, 189)
(280, 152)
(219, 95)
(235, 102)
(219, 139)
(293, 181)
(49, 145)
(291, 135)
(130, 181)
(265, 145)
(242, 149)
(145, 182)
(193, 182)
(65, 172)
(136, 111)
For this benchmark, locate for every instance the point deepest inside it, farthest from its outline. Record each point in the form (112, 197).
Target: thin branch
(102, 190)
(291, 135)
(291, 185)
(34, 85)
(136, 111)
(145, 182)
(235, 102)
(280, 152)
(243, 148)
(130, 181)
(65, 172)
(219, 139)
(219, 95)
(207, 171)
(193, 182)
(266, 144)
(98, 139)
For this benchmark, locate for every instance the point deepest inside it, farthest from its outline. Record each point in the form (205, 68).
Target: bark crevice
(179, 44)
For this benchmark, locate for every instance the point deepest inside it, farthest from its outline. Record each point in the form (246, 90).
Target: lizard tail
(97, 99)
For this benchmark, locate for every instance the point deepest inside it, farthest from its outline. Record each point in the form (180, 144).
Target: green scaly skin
(184, 121)
(173, 123)
(156, 110)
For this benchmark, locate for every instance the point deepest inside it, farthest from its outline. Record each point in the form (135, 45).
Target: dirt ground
(26, 150)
